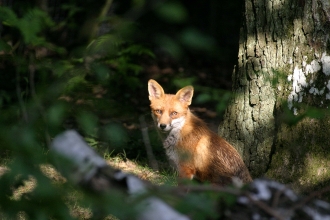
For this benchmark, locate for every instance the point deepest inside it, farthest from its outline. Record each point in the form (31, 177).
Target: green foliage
(30, 25)
(46, 199)
(181, 82)
(87, 122)
(116, 135)
(204, 94)
(201, 210)
(196, 40)
(305, 111)
(172, 11)
(48, 86)
(170, 45)
(56, 113)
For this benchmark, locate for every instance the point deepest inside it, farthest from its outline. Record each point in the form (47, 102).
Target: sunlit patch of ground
(142, 172)
(76, 210)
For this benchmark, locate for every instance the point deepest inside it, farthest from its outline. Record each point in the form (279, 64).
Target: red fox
(197, 152)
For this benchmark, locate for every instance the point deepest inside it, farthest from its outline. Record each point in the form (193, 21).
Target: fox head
(169, 111)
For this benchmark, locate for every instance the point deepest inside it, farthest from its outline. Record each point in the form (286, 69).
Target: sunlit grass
(143, 171)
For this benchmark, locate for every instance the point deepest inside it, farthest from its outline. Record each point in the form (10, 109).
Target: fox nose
(162, 126)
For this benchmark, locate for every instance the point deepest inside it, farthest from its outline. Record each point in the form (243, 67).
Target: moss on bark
(302, 155)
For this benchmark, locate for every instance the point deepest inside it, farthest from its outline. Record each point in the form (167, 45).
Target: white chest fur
(169, 144)
(171, 139)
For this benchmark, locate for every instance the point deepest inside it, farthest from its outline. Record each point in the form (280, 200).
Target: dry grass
(143, 172)
(28, 186)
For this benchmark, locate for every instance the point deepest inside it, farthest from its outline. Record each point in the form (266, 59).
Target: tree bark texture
(283, 66)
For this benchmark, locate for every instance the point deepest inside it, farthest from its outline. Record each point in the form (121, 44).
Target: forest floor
(124, 164)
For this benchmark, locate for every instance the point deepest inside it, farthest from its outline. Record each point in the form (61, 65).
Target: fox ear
(155, 90)
(185, 94)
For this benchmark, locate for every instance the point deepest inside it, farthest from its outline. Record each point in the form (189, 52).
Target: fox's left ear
(185, 94)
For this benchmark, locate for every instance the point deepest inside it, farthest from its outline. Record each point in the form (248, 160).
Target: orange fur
(197, 151)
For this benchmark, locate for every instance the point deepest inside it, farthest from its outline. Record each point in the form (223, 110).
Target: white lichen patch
(325, 64)
(328, 85)
(313, 67)
(300, 84)
(327, 96)
(295, 111)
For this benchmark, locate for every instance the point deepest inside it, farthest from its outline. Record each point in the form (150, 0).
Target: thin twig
(310, 197)
(19, 96)
(146, 140)
(277, 198)
(265, 207)
(212, 188)
(236, 192)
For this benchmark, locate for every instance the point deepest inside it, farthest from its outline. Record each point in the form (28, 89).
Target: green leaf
(62, 67)
(87, 122)
(31, 25)
(56, 114)
(76, 82)
(8, 17)
(106, 44)
(223, 102)
(101, 71)
(173, 12)
(184, 81)
(137, 49)
(200, 210)
(115, 134)
(4, 46)
(196, 40)
(138, 3)
(92, 142)
(170, 45)
(203, 97)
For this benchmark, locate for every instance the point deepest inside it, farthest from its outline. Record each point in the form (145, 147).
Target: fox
(196, 151)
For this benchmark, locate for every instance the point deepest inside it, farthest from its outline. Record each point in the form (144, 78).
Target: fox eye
(158, 111)
(174, 113)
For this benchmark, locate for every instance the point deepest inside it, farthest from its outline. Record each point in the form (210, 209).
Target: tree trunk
(283, 67)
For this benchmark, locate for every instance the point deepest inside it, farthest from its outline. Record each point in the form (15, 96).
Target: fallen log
(85, 167)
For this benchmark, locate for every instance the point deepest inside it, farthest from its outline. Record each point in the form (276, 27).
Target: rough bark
(283, 66)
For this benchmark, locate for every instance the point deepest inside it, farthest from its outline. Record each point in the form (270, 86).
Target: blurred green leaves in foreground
(53, 76)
